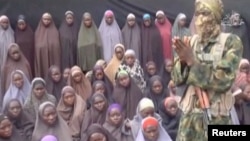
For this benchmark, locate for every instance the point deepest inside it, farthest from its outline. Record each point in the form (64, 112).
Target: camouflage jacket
(202, 74)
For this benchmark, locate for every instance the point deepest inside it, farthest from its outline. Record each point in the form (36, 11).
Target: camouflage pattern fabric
(191, 127)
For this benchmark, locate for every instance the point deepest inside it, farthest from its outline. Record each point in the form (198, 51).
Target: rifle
(204, 103)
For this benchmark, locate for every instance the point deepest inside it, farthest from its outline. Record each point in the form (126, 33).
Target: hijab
(25, 39)
(113, 65)
(53, 87)
(127, 97)
(14, 136)
(15, 93)
(47, 47)
(136, 121)
(156, 98)
(163, 135)
(32, 103)
(132, 36)
(110, 35)
(93, 115)
(12, 65)
(23, 124)
(72, 115)
(68, 39)
(89, 46)
(49, 138)
(60, 130)
(96, 128)
(119, 132)
(82, 88)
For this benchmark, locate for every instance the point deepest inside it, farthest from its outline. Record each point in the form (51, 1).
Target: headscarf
(93, 115)
(60, 130)
(53, 87)
(163, 135)
(156, 98)
(73, 116)
(23, 123)
(25, 39)
(127, 97)
(47, 47)
(68, 39)
(49, 138)
(96, 128)
(107, 93)
(15, 93)
(82, 88)
(6, 37)
(32, 103)
(11, 65)
(132, 36)
(137, 120)
(89, 46)
(215, 6)
(110, 34)
(180, 31)
(117, 131)
(113, 65)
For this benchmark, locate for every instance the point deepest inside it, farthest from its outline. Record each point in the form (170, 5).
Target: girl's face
(151, 69)
(39, 90)
(21, 25)
(49, 115)
(124, 80)
(5, 128)
(69, 19)
(77, 77)
(182, 22)
(109, 19)
(87, 21)
(244, 68)
(119, 52)
(69, 99)
(115, 116)
(46, 21)
(97, 137)
(147, 23)
(130, 60)
(147, 112)
(131, 22)
(168, 66)
(14, 109)
(151, 133)
(15, 53)
(56, 74)
(5, 24)
(99, 88)
(161, 19)
(99, 74)
(99, 103)
(157, 87)
(171, 108)
(66, 73)
(18, 80)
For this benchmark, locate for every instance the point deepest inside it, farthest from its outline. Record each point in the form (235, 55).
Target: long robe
(47, 48)
(73, 116)
(152, 48)
(89, 46)
(165, 32)
(23, 123)
(12, 65)
(25, 40)
(68, 40)
(132, 38)
(111, 35)
(128, 98)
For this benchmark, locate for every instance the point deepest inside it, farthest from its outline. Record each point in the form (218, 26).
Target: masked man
(206, 65)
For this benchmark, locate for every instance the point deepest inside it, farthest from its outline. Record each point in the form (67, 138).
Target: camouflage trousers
(191, 127)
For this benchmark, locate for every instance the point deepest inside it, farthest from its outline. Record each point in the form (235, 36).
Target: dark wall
(33, 9)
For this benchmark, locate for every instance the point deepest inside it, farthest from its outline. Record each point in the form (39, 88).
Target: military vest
(220, 103)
